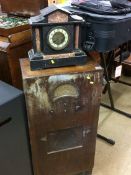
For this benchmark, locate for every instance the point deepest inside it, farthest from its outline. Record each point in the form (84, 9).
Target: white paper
(118, 71)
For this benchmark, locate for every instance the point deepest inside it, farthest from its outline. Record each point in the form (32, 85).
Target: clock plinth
(56, 38)
(40, 61)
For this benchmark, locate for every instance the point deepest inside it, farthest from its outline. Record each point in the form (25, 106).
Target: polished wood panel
(5, 74)
(23, 7)
(10, 31)
(63, 109)
(127, 67)
(12, 48)
(26, 72)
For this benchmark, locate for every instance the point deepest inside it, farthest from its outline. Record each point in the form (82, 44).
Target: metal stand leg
(85, 173)
(112, 107)
(108, 88)
(119, 81)
(108, 140)
(124, 53)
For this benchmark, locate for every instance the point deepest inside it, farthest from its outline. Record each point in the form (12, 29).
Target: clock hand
(57, 40)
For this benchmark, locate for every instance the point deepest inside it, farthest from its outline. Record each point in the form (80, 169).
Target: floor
(115, 160)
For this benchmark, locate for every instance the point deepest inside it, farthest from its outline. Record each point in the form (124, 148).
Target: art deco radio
(63, 109)
(56, 38)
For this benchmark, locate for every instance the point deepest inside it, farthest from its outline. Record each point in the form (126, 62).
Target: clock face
(58, 38)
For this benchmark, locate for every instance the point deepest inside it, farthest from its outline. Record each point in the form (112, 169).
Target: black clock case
(36, 57)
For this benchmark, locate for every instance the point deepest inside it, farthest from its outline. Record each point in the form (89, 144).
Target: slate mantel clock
(56, 38)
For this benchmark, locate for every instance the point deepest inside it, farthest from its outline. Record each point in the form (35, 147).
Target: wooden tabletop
(27, 73)
(127, 61)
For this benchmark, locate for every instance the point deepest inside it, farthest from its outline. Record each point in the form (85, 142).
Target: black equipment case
(15, 158)
(104, 34)
(105, 28)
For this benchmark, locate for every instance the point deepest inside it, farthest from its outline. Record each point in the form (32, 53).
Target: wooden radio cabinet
(63, 109)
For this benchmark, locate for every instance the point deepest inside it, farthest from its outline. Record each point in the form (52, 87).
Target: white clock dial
(58, 38)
